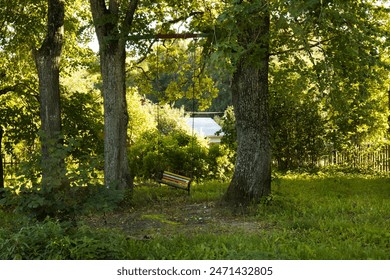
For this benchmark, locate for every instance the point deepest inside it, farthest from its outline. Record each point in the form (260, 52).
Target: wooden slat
(175, 180)
(176, 175)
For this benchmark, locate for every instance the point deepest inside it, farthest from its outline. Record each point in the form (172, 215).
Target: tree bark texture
(112, 63)
(47, 61)
(252, 175)
(116, 168)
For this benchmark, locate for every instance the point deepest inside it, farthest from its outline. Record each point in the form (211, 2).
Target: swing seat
(176, 181)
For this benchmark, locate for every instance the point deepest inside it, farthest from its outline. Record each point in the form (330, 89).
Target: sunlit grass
(309, 217)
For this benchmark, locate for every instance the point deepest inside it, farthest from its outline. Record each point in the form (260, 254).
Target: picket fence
(361, 157)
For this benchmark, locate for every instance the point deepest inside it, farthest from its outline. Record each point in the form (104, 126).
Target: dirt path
(168, 219)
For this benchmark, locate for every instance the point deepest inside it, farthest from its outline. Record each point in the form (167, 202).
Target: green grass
(309, 217)
(331, 218)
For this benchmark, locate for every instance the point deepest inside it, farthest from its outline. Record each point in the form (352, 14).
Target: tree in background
(336, 75)
(47, 60)
(26, 25)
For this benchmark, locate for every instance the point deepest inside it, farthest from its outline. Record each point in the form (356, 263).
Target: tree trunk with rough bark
(111, 35)
(47, 61)
(116, 168)
(252, 175)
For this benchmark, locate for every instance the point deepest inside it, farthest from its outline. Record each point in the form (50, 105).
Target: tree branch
(183, 18)
(130, 16)
(55, 29)
(139, 61)
(19, 88)
(8, 89)
(99, 10)
(302, 48)
(114, 7)
(98, 7)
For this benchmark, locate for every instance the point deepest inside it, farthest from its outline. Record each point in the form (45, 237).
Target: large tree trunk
(112, 63)
(252, 175)
(47, 61)
(116, 168)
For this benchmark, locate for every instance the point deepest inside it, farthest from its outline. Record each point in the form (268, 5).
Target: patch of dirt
(174, 219)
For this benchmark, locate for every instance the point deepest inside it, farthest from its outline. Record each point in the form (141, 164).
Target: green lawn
(307, 217)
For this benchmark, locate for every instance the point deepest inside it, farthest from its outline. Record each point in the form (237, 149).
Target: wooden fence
(361, 157)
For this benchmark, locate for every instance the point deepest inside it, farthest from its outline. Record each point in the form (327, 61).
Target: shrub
(220, 159)
(64, 203)
(177, 151)
(66, 196)
(51, 239)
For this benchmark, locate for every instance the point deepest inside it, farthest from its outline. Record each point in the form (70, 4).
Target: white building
(207, 128)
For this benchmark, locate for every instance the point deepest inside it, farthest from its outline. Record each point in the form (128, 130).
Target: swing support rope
(193, 115)
(180, 36)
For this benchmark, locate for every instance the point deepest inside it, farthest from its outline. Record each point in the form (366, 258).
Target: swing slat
(176, 181)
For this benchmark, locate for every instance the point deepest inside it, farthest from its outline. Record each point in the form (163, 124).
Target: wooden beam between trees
(168, 36)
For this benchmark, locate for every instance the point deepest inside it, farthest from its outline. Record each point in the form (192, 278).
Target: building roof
(206, 127)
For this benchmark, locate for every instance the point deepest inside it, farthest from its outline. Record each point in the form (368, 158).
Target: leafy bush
(63, 197)
(38, 241)
(228, 128)
(177, 151)
(64, 202)
(180, 153)
(54, 240)
(220, 162)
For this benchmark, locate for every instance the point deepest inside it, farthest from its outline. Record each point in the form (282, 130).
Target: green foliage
(65, 196)
(228, 128)
(51, 240)
(339, 60)
(141, 115)
(174, 75)
(221, 162)
(64, 202)
(83, 124)
(171, 146)
(177, 151)
(162, 140)
(19, 119)
(298, 129)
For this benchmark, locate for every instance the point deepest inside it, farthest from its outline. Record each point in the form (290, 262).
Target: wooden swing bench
(175, 181)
